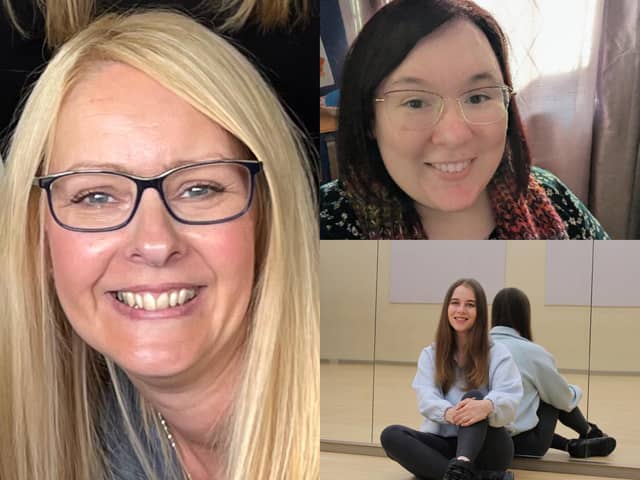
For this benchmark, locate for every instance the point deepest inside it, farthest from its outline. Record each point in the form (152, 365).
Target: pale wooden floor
(347, 392)
(335, 466)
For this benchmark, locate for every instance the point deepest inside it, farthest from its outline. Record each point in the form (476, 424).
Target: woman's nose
(154, 235)
(461, 307)
(451, 128)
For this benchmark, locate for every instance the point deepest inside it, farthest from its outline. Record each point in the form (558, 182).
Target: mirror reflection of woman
(430, 143)
(468, 390)
(548, 397)
(159, 253)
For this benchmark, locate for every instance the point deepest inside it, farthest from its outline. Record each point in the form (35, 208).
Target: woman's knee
(475, 394)
(392, 436)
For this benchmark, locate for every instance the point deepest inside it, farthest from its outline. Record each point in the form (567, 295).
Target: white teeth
(147, 301)
(188, 295)
(451, 167)
(173, 298)
(130, 298)
(162, 301)
(182, 296)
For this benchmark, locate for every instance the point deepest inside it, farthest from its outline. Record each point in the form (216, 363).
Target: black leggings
(427, 455)
(536, 442)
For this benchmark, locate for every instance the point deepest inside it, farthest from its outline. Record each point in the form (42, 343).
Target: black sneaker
(496, 475)
(460, 470)
(591, 447)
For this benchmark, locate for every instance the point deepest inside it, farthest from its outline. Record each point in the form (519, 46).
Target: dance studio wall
(355, 308)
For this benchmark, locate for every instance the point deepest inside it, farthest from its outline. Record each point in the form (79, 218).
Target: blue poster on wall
(333, 46)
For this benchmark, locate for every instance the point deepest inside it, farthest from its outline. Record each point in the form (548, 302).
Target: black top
(287, 56)
(338, 220)
(121, 462)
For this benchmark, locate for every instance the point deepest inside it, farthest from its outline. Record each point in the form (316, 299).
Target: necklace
(172, 442)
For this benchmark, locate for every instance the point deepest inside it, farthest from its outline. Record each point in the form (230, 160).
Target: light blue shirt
(504, 389)
(540, 378)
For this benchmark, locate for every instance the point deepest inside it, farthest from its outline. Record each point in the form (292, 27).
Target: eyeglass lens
(204, 193)
(416, 110)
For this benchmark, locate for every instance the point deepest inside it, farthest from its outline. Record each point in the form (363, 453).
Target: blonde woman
(281, 36)
(159, 304)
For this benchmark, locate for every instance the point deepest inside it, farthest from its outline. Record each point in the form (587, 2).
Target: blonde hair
(63, 18)
(50, 380)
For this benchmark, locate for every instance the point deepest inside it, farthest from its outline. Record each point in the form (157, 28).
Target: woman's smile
(140, 303)
(452, 170)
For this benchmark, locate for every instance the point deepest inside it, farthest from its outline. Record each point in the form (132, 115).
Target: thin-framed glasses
(420, 110)
(202, 193)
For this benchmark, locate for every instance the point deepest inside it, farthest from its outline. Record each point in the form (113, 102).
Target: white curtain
(554, 62)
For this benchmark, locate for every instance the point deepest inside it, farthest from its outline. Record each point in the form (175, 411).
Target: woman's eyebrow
(473, 79)
(116, 167)
(98, 166)
(415, 81)
(483, 77)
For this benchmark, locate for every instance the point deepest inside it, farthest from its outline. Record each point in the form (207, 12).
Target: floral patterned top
(338, 220)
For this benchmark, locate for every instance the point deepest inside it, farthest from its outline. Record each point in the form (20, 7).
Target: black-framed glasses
(201, 193)
(420, 110)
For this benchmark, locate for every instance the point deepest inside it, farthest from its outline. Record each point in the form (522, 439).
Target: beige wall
(349, 301)
(562, 330)
(403, 329)
(615, 334)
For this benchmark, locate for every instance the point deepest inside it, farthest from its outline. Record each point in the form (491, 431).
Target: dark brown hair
(511, 308)
(476, 363)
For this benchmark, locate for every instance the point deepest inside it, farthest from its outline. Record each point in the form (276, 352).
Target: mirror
(410, 299)
(347, 327)
(615, 357)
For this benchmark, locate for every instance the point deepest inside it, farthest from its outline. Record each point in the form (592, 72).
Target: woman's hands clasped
(468, 411)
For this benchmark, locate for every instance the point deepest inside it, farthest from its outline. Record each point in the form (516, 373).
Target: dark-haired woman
(468, 390)
(430, 143)
(547, 395)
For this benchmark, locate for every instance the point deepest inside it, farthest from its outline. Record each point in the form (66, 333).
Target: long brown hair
(476, 355)
(511, 308)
